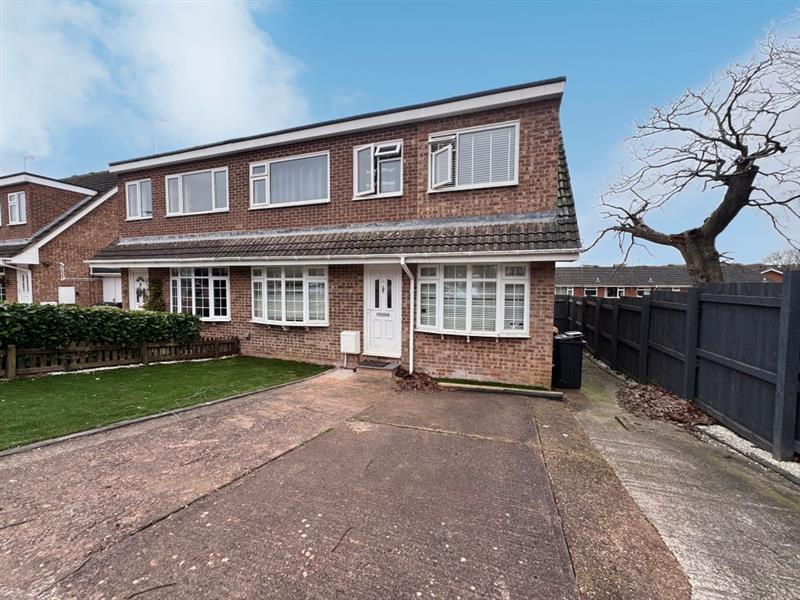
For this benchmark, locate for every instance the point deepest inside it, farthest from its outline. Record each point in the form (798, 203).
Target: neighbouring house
(48, 229)
(772, 274)
(432, 230)
(631, 281)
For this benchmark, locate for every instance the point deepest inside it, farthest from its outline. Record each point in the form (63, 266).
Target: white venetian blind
(487, 156)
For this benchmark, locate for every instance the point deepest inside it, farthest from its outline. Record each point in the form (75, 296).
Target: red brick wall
(524, 361)
(539, 139)
(43, 205)
(78, 243)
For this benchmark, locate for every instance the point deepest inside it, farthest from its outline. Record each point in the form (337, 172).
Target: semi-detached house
(432, 230)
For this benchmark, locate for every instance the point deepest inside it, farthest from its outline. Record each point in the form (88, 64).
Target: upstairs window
(197, 192)
(474, 158)
(139, 199)
(290, 181)
(17, 208)
(202, 291)
(378, 170)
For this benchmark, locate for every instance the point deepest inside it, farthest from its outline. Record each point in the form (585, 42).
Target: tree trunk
(702, 259)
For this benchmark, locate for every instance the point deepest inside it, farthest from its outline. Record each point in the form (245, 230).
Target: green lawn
(56, 405)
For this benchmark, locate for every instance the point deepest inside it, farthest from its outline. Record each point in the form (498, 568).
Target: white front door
(383, 333)
(24, 288)
(137, 288)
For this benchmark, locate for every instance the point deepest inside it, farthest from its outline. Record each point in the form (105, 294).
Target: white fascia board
(400, 117)
(30, 255)
(454, 257)
(59, 185)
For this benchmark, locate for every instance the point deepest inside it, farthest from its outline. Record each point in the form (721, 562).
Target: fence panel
(734, 349)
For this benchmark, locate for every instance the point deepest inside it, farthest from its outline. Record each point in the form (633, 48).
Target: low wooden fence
(733, 349)
(20, 362)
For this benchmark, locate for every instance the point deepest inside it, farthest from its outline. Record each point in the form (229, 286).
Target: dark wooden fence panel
(733, 349)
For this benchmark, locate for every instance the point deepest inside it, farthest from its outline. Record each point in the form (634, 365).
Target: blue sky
(84, 84)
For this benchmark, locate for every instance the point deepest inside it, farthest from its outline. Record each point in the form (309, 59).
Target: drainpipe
(412, 290)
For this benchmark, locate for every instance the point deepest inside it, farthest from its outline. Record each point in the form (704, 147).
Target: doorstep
(375, 367)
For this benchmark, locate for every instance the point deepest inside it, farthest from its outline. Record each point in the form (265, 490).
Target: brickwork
(43, 205)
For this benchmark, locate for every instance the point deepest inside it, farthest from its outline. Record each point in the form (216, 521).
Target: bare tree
(788, 257)
(736, 141)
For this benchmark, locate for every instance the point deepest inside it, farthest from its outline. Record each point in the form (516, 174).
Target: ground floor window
(615, 292)
(642, 292)
(290, 295)
(2, 289)
(481, 299)
(590, 292)
(202, 291)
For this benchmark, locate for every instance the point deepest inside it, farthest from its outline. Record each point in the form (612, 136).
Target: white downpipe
(412, 290)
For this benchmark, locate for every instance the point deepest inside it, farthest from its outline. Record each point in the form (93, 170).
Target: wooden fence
(732, 349)
(20, 362)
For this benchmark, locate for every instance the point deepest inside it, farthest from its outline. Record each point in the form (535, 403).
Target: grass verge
(46, 407)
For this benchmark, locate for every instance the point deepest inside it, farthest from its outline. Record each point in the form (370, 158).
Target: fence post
(145, 354)
(11, 362)
(787, 370)
(596, 338)
(690, 347)
(615, 334)
(216, 347)
(644, 339)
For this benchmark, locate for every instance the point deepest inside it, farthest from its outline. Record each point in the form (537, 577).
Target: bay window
(197, 192)
(290, 181)
(481, 299)
(139, 199)
(202, 291)
(290, 295)
(17, 208)
(378, 170)
(473, 158)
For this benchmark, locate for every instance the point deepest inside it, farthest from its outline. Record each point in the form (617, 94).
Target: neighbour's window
(613, 292)
(473, 158)
(17, 209)
(2, 289)
(591, 292)
(197, 192)
(290, 181)
(139, 199)
(290, 295)
(570, 291)
(642, 292)
(486, 299)
(378, 169)
(202, 291)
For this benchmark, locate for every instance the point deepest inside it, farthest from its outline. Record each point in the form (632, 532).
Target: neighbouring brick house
(48, 229)
(631, 281)
(448, 216)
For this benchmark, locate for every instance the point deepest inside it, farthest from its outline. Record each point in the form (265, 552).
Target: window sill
(215, 320)
(466, 188)
(140, 218)
(481, 334)
(293, 324)
(193, 214)
(378, 196)
(289, 204)
(17, 223)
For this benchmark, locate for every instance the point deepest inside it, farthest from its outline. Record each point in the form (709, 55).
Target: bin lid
(573, 334)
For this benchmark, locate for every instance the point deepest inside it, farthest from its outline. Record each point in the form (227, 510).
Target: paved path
(734, 526)
(336, 487)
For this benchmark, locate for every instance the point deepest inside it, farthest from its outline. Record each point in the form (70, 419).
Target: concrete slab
(733, 526)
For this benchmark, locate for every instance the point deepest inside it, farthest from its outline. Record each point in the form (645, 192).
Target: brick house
(631, 281)
(48, 228)
(432, 230)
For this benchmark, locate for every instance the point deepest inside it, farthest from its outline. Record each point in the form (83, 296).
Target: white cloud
(205, 68)
(49, 73)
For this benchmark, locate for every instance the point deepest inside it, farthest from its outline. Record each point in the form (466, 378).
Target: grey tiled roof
(11, 247)
(100, 181)
(645, 276)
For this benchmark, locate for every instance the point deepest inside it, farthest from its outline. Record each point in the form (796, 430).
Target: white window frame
(586, 292)
(641, 292)
(180, 176)
(138, 184)
(268, 164)
(378, 154)
(618, 295)
(502, 279)
(211, 279)
(454, 135)
(22, 207)
(306, 322)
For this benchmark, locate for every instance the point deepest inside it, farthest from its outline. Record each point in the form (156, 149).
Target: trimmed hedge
(54, 327)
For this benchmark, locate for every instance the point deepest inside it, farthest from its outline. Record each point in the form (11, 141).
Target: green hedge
(54, 327)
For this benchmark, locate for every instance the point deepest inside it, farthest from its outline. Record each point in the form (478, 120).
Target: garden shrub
(154, 298)
(54, 327)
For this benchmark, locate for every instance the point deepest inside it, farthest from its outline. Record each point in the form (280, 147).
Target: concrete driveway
(335, 487)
